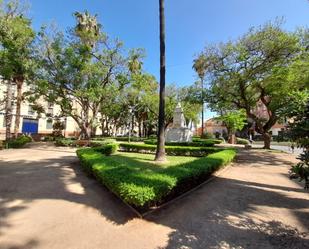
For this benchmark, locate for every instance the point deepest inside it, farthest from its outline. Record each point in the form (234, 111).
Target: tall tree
(299, 131)
(76, 70)
(200, 67)
(160, 153)
(16, 39)
(254, 74)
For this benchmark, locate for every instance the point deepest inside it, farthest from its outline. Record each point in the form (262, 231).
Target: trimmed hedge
(204, 143)
(97, 143)
(64, 142)
(19, 142)
(132, 139)
(107, 149)
(241, 141)
(201, 140)
(170, 150)
(143, 184)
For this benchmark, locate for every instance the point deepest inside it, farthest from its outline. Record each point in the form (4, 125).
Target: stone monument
(179, 132)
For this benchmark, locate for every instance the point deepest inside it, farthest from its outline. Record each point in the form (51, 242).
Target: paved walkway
(46, 201)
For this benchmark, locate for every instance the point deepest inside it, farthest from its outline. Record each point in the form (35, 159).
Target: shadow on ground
(223, 214)
(24, 181)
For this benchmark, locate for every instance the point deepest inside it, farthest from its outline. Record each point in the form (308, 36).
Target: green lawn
(141, 183)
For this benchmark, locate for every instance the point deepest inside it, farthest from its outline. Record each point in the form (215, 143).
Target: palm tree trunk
(202, 94)
(160, 153)
(8, 111)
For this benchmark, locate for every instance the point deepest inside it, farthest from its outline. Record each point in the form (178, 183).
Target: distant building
(212, 126)
(40, 125)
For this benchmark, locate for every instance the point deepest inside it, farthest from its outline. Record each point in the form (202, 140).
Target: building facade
(39, 125)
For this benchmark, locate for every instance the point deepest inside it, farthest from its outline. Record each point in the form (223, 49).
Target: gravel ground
(46, 201)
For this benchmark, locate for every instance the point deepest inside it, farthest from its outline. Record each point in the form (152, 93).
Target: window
(50, 109)
(30, 110)
(49, 124)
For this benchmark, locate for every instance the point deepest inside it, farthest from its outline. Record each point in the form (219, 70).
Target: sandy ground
(46, 201)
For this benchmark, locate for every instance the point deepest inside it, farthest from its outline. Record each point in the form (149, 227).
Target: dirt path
(46, 201)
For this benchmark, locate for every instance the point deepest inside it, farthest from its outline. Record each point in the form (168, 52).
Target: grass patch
(137, 180)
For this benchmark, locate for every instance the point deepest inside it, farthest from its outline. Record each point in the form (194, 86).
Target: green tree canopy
(257, 68)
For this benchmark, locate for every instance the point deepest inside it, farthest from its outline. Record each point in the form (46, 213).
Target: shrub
(19, 142)
(101, 138)
(241, 141)
(142, 184)
(64, 142)
(195, 143)
(150, 141)
(97, 143)
(201, 140)
(58, 128)
(132, 139)
(170, 150)
(48, 138)
(107, 149)
(208, 135)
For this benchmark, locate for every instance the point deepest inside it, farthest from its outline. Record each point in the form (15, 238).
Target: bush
(19, 142)
(150, 141)
(208, 135)
(97, 143)
(107, 149)
(48, 138)
(195, 143)
(201, 140)
(143, 184)
(64, 142)
(132, 139)
(101, 138)
(241, 141)
(170, 150)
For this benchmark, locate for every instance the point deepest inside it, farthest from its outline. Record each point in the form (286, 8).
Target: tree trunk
(160, 153)
(93, 131)
(232, 139)
(102, 127)
(19, 98)
(267, 139)
(202, 82)
(140, 128)
(8, 111)
(85, 131)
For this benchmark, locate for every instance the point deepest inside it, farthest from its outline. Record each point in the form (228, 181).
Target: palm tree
(160, 153)
(200, 66)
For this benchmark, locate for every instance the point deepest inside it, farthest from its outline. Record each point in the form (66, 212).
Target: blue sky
(190, 24)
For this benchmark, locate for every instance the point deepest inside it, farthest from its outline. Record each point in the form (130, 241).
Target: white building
(40, 125)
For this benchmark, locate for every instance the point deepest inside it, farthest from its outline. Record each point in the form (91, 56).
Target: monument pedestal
(178, 132)
(178, 135)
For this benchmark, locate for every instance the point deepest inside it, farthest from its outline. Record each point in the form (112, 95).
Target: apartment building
(30, 121)
(40, 125)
